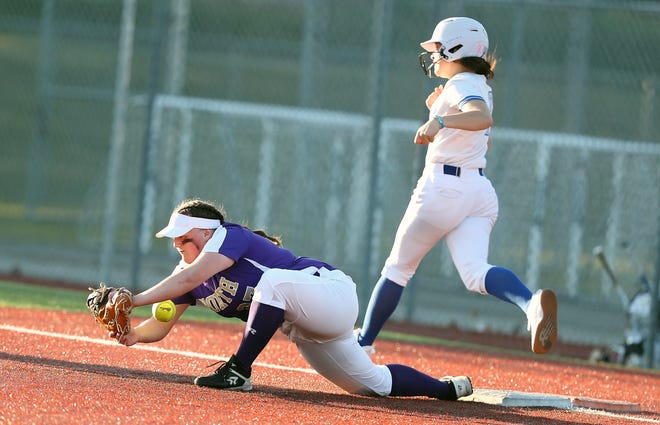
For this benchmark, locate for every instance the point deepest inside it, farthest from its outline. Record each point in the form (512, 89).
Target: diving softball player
(237, 272)
(453, 199)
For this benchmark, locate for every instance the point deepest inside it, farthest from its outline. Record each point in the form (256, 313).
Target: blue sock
(384, 299)
(263, 321)
(410, 382)
(505, 285)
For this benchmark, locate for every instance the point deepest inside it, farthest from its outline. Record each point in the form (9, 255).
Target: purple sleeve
(186, 298)
(236, 244)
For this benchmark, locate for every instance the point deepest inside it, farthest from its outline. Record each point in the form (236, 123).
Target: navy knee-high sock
(505, 285)
(407, 381)
(263, 321)
(384, 299)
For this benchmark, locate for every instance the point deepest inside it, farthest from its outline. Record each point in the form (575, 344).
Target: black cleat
(230, 376)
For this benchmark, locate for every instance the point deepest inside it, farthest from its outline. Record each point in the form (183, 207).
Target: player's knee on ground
(377, 382)
(378, 386)
(369, 392)
(355, 374)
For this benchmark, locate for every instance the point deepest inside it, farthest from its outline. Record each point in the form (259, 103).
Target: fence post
(577, 66)
(147, 198)
(653, 323)
(117, 137)
(379, 58)
(536, 231)
(38, 149)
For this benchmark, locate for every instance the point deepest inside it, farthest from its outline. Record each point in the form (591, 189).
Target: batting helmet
(459, 38)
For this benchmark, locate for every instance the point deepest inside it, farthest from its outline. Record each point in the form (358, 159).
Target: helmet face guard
(427, 63)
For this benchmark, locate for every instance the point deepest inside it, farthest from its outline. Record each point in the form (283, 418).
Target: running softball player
(453, 199)
(240, 273)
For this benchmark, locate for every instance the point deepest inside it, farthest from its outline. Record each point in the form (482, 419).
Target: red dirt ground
(49, 379)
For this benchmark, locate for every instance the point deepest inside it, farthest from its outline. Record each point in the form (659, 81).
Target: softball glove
(111, 307)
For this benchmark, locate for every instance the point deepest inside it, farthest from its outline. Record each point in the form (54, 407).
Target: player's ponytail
(274, 239)
(481, 66)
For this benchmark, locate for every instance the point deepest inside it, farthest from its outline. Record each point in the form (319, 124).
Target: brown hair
(204, 209)
(480, 66)
(201, 209)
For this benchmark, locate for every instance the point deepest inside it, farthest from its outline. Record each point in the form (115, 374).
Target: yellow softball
(163, 311)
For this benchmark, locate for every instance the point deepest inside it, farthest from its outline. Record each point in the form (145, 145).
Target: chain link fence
(298, 116)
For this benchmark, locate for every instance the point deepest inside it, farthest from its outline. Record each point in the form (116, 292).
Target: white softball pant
(320, 313)
(462, 210)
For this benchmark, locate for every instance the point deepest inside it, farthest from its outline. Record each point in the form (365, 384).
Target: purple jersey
(230, 291)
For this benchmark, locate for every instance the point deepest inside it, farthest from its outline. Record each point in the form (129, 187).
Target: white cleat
(542, 320)
(369, 349)
(461, 385)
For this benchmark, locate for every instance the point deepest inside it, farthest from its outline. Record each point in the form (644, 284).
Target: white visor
(181, 224)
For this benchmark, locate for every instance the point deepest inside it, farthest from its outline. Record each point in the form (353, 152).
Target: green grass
(22, 295)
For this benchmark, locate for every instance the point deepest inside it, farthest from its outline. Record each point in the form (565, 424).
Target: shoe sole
(245, 387)
(545, 335)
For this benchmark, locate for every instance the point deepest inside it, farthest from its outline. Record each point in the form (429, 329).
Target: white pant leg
(468, 242)
(315, 308)
(320, 313)
(437, 205)
(344, 363)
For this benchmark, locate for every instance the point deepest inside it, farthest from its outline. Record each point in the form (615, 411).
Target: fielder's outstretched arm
(184, 280)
